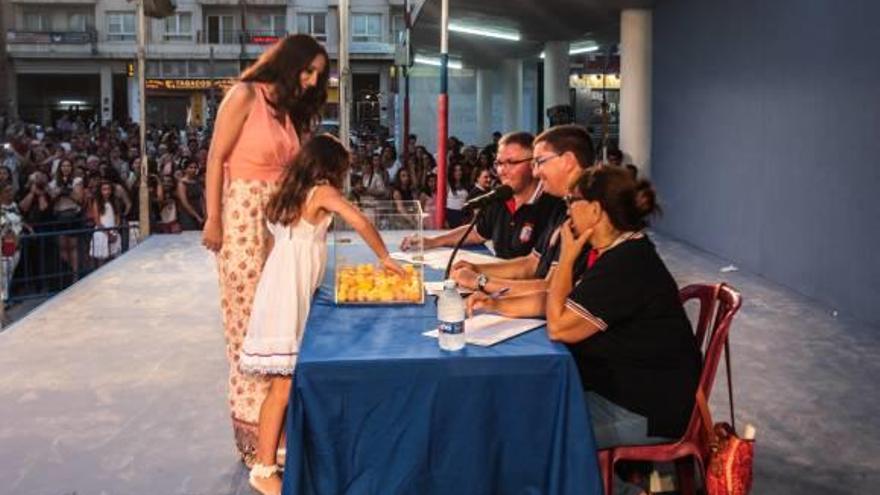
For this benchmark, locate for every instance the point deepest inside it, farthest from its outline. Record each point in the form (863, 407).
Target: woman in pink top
(257, 133)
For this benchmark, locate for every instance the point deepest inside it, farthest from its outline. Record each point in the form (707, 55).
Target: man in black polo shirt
(513, 226)
(561, 154)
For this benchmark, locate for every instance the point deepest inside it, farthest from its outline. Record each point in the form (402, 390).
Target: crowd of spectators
(380, 173)
(69, 194)
(70, 199)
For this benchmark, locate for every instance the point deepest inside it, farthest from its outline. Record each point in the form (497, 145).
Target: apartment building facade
(80, 55)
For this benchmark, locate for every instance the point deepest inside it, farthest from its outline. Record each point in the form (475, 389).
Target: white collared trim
(537, 194)
(585, 314)
(626, 236)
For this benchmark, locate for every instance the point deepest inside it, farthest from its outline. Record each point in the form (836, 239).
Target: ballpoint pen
(499, 293)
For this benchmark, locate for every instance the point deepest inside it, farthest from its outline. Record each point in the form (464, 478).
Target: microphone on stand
(501, 193)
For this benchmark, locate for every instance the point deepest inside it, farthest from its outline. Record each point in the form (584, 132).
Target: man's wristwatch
(482, 280)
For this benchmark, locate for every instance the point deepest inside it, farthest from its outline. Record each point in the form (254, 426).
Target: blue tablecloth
(378, 408)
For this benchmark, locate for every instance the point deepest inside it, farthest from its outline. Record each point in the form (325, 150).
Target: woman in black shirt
(623, 321)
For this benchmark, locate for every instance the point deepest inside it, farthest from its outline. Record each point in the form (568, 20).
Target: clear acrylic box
(358, 276)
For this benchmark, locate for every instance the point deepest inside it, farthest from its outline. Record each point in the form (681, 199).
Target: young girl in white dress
(298, 215)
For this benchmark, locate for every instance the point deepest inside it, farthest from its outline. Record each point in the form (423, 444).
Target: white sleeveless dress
(102, 247)
(292, 274)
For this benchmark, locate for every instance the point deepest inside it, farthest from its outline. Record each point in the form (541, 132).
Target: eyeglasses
(510, 163)
(537, 162)
(571, 199)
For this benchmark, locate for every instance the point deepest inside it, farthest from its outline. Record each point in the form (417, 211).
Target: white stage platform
(117, 385)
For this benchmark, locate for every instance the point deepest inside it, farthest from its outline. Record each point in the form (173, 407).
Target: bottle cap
(449, 284)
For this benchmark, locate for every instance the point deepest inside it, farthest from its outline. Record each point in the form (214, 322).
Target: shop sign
(258, 39)
(189, 84)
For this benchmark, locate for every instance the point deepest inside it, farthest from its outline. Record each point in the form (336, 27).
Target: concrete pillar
(5, 68)
(556, 71)
(106, 106)
(385, 100)
(512, 84)
(134, 100)
(484, 107)
(12, 90)
(635, 89)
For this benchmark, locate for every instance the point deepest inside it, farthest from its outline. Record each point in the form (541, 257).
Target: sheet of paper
(487, 330)
(438, 258)
(435, 288)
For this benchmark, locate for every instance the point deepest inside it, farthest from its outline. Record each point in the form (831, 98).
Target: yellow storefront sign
(189, 84)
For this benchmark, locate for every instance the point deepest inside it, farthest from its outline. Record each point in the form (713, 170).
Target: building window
(398, 27)
(226, 68)
(366, 27)
(267, 25)
(221, 29)
(178, 27)
(152, 69)
(198, 68)
(173, 68)
(80, 23)
(312, 24)
(398, 23)
(36, 21)
(120, 26)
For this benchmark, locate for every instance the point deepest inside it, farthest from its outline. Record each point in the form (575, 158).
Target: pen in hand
(498, 293)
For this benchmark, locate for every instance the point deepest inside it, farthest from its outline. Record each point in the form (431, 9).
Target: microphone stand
(461, 242)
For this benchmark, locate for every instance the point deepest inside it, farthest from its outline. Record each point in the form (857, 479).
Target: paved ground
(116, 386)
(19, 310)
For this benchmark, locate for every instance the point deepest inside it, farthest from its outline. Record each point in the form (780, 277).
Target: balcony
(64, 44)
(372, 48)
(55, 2)
(250, 3)
(51, 38)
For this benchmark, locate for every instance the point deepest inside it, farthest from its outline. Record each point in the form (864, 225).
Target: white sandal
(260, 471)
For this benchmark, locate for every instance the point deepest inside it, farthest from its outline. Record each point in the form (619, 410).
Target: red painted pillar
(442, 138)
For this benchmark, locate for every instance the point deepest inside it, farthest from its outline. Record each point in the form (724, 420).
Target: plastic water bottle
(450, 312)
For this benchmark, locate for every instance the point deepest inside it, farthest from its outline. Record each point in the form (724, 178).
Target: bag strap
(729, 382)
(727, 367)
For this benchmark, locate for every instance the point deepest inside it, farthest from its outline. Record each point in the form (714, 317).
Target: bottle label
(453, 327)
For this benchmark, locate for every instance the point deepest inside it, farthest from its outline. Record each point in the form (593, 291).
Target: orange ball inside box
(367, 284)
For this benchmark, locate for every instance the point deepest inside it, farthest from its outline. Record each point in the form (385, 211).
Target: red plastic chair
(718, 304)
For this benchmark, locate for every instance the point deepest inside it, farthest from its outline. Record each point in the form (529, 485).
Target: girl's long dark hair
(281, 66)
(113, 201)
(323, 159)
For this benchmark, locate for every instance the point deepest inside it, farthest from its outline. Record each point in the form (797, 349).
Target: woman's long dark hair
(459, 184)
(323, 159)
(60, 179)
(398, 182)
(281, 66)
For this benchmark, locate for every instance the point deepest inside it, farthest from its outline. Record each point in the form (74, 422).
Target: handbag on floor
(729, 467)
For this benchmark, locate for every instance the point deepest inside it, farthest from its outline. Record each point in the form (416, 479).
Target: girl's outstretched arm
(330, 199)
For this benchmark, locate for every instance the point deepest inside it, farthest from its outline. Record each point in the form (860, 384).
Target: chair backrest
(718, 305)
(706, 295)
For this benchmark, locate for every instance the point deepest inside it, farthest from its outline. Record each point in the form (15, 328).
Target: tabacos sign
(189, 84)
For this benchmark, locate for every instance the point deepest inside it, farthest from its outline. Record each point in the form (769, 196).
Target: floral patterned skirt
(240, 262)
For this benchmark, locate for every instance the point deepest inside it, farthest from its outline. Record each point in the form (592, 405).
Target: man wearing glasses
(513, 226)
(560, 155)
